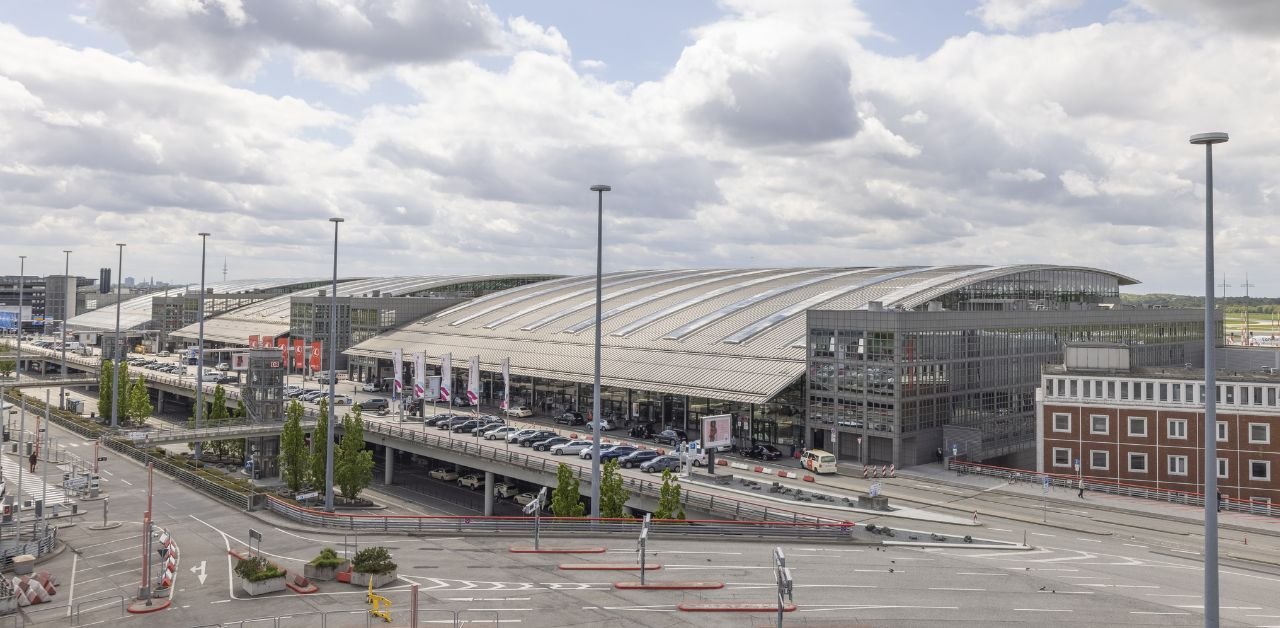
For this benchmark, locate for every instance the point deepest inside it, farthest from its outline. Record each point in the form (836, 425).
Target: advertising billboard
(717, 431)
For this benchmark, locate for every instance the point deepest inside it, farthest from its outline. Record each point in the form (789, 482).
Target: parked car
(519, 434)
(441, 473)
(519, 411)
(763, 452)
(506, 490)
(546, 445)
(465, 426)
(571, 418)
(500, 432)
(536, 436)
(223, 366)
(636, 458)
(451, 422)
(370, 387)
(605, 425)
(311, 395)
(586, 455)
(570, 448)
(671, 437)
(376, 403)
(660, 464)
(524, 499)
(341, 400)
(472, 481)
(228, 379)
(436, 420)
(485, 426)
(164, 354)
(461, 401)
(616, 453)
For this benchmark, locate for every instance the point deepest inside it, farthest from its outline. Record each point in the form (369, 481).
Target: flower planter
(361, 579)
(313, 572)
(262, 587)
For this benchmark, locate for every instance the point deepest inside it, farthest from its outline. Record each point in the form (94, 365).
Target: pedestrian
(35, 457)
(1081, 493)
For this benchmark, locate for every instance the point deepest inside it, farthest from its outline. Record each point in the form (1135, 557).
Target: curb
(139, 607)
(739, 607)
(607, 567)
(516, 549)
(667, 586)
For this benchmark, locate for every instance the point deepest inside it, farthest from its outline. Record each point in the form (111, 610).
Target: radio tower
(224, 270)
(1246, 285)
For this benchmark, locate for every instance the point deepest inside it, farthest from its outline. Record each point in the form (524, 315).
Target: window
(1201, 393)
(1259, 470)
(1111, 390)
(1164, 392)
(1223, 432)
(1271, 397)
(1257, 395)
(1259, 434)
(1062, 387)
(1137, 463)
(1099, 459)
(1231, 394)
(1188, 393)
(1061, 457)
(1177, 393)
(1061, 422)
(1224, 467)
(1124, 390)
(1151, 391)
(1138, 426)
(1073, 388)
(1088, 388)
(1177, 428)
(1098, 424)
(1177, 465)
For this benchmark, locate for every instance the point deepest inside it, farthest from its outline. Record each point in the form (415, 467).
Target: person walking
(35, 457)
(1081, 493)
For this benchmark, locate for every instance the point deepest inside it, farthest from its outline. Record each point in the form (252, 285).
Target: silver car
(571, 447)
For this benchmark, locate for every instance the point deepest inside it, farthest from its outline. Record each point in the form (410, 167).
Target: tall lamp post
(595, 396)
(115, 353)
(204, 240)
(68, 311)
(1211, 598)
(333, 375)
(22, 272)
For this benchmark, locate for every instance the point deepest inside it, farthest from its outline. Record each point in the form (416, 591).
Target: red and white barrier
(170, 562)
(37, 589)
(893, 471)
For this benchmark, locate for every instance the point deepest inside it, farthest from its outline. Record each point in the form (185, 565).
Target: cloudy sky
(461, 136)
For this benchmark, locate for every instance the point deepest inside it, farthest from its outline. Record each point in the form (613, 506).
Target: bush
(257, 569)
(328, 559)
(376, 560)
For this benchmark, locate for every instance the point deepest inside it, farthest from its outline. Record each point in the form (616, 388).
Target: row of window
(1100, 424)
(1165, 392)
(1100, 460)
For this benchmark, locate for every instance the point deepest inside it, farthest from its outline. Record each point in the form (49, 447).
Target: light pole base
(141, 607)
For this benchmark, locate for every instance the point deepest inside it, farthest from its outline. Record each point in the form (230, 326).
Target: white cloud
(592, 65)
(1078, 184)
(1021, 175)
(915, 117)
(1011, 15)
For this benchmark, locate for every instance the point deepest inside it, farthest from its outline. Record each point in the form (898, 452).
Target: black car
(436, 420)
(227, 379)
(763, 452)
(466, 426)
(546, 445)
(671, 437)
(572, 418)
(634, 458)
(376, 403)
(535, 437)
(486, 425)
(617, 452)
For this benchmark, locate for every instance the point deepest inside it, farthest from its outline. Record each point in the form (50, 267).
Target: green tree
(293, 448)
(352, 463)
(105, 376)
(140, 408)
(669, 506)
(217, 417)
(319, 443)
(7, 367)
(613, 497)
(566, 501)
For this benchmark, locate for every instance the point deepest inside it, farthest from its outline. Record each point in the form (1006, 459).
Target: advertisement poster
(446, 377)
(397, 363)
(717, 431)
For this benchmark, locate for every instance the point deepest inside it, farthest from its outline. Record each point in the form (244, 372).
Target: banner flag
(397, 363)
(283, 344)
(297, 354)
(446, 377)
(253, 342)
(506, 382)
(419, 376)
(473, 381)
(315, 355)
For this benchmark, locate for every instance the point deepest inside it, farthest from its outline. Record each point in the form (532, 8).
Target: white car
(471, 481)
(341, 400)
(605, 425)
(505, 490)
(571, 447)
(519, 411)
(524, 499)
(501, 432)
(223, 366)
(515, 436)
(370, 387)
(441, 473)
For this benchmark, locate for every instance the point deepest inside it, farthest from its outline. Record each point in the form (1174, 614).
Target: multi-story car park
(44, 298)
(1145, 426)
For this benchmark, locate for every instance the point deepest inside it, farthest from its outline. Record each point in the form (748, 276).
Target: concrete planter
(361, 579)
(313, 572)
(263, 587)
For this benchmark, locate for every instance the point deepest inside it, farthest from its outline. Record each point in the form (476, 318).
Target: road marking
(1089, 540)
(1044, 610)
(481, 610)
(488, 599)
(1184, 551)
(1135, 545)
(632, 551)
(953, 589)
(978, 573)
(1088, 577)
(126, 481)
(999, 530)
(1155, 613)
(1170, 595)
(127, 538)
(123, 549)
(1056, 592)
(1040, 534)
(108, 472)
(1234, 608)
(71, 589)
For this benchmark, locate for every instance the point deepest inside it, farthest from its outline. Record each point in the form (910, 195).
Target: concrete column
(388, 467)
(159, 401)
(488, 493)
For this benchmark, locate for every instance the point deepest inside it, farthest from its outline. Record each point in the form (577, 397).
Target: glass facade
(888, 384)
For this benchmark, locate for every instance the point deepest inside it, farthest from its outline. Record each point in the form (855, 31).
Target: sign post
(535, 508)
(254, 535)
(783, 577)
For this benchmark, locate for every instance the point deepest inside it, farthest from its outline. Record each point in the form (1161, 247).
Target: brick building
(1145, 426)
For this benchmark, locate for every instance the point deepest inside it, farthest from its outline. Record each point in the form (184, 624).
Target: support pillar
(159, 401)
(488, 493)
(388, 466)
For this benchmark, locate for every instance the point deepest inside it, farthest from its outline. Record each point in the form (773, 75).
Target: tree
(669, 506)
(293, 448)
(567, 500)
(613, 497)
(216, 417)
(106, 375)
(352, 463)
(319, 443)
(7, 367)
(140, 408)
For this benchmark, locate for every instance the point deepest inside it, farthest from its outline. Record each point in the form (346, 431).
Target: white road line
(126, 481)
(999, 530)
(71, 588)
(1055, 592)
(720, 567)
(123, 549)
(1155, 613)
(1234, 608)
(1088, 577)
(953, 589)
(127, 538)
(1135, 545)
(1044, 610)
(481, 610)
(978, 573)
(108, 472)
(1184, 551)
(1040, 534)
(631, 551)
(1088, 540)
(1170, 595)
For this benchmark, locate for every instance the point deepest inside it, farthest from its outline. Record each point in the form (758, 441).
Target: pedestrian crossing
(32, 484)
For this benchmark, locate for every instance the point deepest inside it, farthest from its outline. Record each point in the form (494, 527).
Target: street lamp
(1211, 598)
(595, 396)
(204, 240)
(333, 361)
(115, 353)
(22, 271)
(68, 310)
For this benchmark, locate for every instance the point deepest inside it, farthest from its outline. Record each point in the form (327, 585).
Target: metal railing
(224, 491)
(1071, 481)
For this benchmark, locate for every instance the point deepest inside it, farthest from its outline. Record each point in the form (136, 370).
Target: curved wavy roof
(136, 312)
(727, 333)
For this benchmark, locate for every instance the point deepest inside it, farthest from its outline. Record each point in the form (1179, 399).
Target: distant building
(128, 281)
(1145, 425)
(104, 280)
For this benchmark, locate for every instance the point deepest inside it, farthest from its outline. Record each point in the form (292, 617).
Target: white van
(818, 461)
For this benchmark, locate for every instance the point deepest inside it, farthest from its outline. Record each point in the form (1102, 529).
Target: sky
(462, 136)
